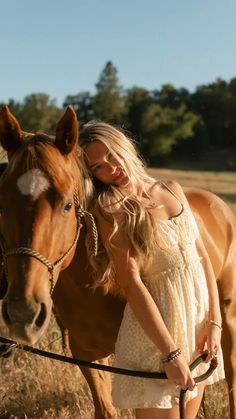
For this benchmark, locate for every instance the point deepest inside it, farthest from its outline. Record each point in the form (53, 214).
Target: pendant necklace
(152, 204)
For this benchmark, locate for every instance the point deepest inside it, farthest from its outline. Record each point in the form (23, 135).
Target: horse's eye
(67, 207)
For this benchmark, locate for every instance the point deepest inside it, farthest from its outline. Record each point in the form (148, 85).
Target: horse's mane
(38, 151)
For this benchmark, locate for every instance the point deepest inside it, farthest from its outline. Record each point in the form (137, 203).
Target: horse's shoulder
(210, 209)
(200, 197)
(197, 194)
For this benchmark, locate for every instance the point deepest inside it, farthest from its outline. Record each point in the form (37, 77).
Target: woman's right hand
(178, 373)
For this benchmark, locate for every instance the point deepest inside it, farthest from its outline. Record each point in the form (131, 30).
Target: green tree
(163, 128)
(15, 107)
(39, 113)
(232, 109)
(83, 105)
(171, 97)
(108, 100)
(216, 103)
(137, 101)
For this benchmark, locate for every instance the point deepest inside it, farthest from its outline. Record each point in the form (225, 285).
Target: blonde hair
(113, 205)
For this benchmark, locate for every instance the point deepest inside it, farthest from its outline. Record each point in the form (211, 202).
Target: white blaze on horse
(42, 237)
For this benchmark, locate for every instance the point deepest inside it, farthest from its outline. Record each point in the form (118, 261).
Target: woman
(155, 255)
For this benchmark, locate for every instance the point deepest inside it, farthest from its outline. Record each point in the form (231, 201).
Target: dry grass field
(35, 387)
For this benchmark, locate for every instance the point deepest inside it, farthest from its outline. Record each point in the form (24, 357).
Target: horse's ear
(10, 131)
(67, 131)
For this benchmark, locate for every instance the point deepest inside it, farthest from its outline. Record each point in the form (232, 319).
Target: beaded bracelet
(172, 355)
(215, 324)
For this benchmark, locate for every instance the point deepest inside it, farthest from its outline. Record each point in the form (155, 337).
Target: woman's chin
(124, 183)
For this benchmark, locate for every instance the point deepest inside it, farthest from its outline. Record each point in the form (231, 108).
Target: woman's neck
(140, 190)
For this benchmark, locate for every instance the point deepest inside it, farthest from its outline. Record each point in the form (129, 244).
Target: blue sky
(60, 47)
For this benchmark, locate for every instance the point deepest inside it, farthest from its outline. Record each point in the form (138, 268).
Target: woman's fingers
(178, 373)
(188, 384)
(200, 343)
(212, 352)
(191, 384)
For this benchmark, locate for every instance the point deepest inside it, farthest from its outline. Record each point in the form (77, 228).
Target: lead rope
(92, 240)
(33, 253)
(92, 233)
(8, 345)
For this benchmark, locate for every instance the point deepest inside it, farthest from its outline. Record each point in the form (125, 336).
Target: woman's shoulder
(173, 187)
(173, 184)
(170, 184)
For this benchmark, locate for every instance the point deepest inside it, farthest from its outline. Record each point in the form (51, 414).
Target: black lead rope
(8, 345)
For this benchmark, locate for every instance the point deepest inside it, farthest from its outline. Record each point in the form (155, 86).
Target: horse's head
(38, 223)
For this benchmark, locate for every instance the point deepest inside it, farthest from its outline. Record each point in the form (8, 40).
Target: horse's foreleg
(100, 385)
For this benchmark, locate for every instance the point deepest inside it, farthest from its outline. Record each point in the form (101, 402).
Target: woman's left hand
(208, 339)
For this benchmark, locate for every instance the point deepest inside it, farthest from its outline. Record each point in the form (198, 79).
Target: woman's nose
(112, 168)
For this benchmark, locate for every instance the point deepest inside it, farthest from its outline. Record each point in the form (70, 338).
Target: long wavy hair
(120, 206)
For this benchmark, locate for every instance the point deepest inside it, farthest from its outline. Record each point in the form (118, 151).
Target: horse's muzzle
(26, 321)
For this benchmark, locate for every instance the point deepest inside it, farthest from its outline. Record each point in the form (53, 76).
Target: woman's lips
(118, 176)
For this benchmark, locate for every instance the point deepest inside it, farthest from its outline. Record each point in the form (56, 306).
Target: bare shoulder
(172, 184)
(175, 187)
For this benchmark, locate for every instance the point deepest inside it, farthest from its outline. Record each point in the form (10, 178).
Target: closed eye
(96, 168)
(110, 157)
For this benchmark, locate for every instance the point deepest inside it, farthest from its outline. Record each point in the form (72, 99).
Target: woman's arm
(142, 303)
(209, 338)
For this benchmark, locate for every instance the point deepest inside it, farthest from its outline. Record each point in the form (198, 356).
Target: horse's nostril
(42, 316)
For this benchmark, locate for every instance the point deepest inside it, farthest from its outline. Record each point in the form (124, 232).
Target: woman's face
(104, 166)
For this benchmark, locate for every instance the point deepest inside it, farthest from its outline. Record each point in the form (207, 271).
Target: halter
(26, 251)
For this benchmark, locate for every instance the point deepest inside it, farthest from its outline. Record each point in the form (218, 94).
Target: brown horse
(40, 221)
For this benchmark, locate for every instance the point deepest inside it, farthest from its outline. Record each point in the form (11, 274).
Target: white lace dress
(177, 283)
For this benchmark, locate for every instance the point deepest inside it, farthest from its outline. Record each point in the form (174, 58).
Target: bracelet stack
(215, 324)
(171, 356)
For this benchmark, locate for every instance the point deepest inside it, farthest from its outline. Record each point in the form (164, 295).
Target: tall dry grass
(32, 386)
(36, 387)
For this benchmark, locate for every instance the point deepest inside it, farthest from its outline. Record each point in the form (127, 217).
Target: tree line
(167, 123)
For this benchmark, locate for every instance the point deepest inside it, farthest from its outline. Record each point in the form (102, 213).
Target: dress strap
(173, 193)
